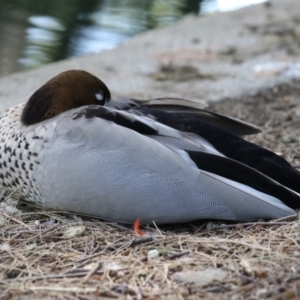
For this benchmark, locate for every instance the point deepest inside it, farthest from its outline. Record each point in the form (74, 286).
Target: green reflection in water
(36, 32)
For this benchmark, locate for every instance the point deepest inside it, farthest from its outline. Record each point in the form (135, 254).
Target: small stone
(74, 231)
(153, 254)
(289, 139)
(11, 210)
(201, 278)
(5, 246)
(30, 246)
(3, 221)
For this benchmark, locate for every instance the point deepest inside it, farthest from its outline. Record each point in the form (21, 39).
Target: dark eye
(100, 97)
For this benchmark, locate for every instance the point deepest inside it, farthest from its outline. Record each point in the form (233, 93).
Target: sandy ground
(55, 255)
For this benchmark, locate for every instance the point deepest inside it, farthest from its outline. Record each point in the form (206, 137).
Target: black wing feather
(236, 148)
(241, 173)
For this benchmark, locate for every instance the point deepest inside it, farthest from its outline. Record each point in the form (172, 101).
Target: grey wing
(99, 168)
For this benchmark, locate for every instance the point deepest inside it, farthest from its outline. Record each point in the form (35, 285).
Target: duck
(72, 147)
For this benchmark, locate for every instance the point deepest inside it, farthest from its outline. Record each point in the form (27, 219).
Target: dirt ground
(52, 255)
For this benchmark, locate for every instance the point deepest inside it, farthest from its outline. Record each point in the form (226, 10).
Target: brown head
(65, 91)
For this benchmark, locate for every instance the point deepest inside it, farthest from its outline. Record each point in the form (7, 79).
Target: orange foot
(136, 228)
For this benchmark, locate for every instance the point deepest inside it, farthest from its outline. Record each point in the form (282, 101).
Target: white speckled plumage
(82, 160)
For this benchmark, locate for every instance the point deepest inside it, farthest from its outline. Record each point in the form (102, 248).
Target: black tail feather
(241, 173)
(235, 147)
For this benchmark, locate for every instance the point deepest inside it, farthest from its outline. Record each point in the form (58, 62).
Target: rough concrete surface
(209, 58)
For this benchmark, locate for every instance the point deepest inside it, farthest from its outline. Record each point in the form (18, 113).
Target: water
(37, 32)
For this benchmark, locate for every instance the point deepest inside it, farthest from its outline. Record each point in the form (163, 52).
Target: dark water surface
(36, 32)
